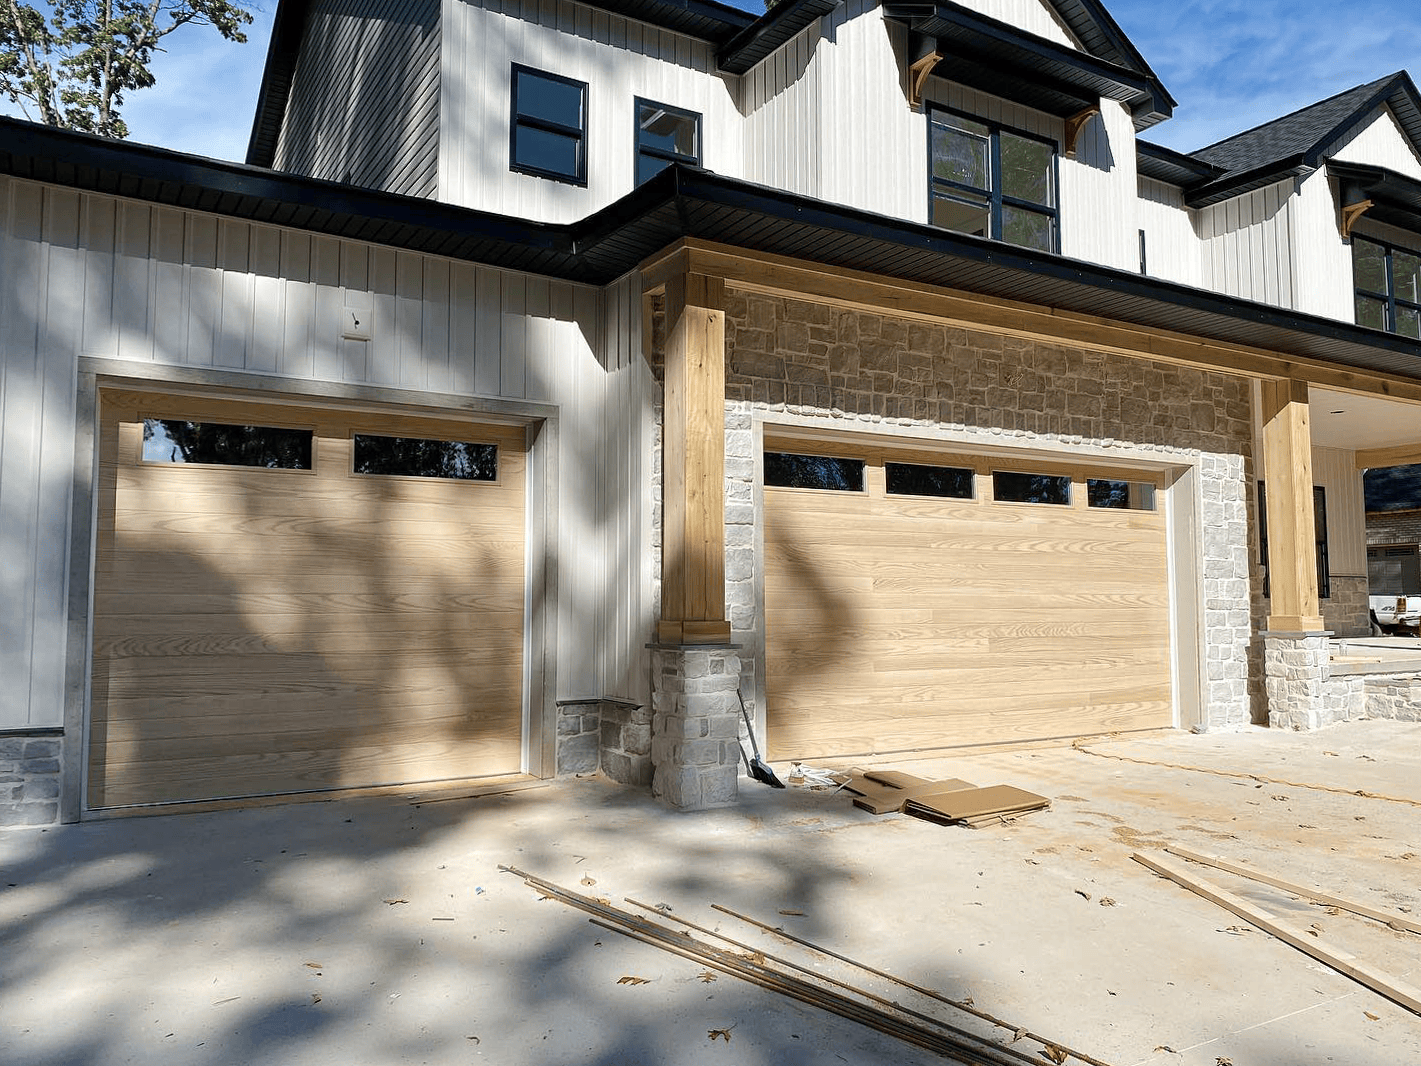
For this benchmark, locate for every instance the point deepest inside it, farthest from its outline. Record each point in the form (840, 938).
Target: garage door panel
(276, 631)
(898, 623)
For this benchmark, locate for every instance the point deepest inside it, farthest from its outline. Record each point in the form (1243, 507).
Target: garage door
(917, 602)
(294, 599)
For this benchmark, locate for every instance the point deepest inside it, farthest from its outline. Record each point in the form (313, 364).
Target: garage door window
(167, 440)
(1120, 495)
(788, 471)
(911, 479)
(1012, 487)
(452, 460)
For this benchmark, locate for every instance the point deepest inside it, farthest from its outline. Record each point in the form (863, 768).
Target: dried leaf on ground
(1052, 1053)
(1083, 894)
(392, 902)
(706, 976)
(1017, 1035)
(794, 914)
(633, 981)
(720, 1034)
(315, 966)
(1334, 910)
(315, 997)
(1371, 1016)
(1106, 901)
(1166, 1047)
(1222, 1061)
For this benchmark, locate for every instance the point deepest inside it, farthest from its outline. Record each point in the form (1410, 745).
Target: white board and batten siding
(1248, 245)
(1172, 248)
(620, 59)
(1379, 142)
(787, 119)
(93, 275)
(1335, 469)
(1033, 16)
(364, 104)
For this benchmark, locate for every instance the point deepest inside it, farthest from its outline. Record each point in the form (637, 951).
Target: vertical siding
(1033, 16)
(1380, 143)
(1336, 471)
(40, 286)
(249, 298)
(782, 101)
(618, 58)
(364, 103)
(1322, 260)
(1172, 248)
(1249, 245)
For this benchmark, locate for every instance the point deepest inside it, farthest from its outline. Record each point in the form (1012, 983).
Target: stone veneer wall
(29, 780)
(1345, 612)
(857, 370)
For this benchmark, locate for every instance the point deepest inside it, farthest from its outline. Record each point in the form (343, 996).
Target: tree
(72, 61)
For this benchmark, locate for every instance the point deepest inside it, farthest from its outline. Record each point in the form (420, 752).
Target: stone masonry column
(1296, 672)
(695, 726)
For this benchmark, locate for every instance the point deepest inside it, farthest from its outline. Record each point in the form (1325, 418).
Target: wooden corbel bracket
(1074, 125)
(918, 77)
(1351, 213)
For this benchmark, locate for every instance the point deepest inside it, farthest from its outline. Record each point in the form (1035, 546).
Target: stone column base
(29, 779)
(1296, 673)
(695, 727)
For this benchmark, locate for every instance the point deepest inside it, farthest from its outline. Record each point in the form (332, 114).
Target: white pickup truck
(1396, 615)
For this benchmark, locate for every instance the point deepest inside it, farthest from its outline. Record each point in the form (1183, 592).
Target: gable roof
(1298, 142)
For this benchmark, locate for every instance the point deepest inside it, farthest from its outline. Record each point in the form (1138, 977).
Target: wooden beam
(1074, 126)
(1287, 458)
(918, 75)
(1396, 921)
(1377, 980)
(858, 290)
(693, 464)
(1401, 455)
(1351, 213)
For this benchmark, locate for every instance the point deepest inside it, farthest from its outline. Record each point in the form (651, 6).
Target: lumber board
(1396, 921)
(962, 804)
(1377, 980)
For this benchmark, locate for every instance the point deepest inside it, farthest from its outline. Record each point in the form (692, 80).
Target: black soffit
(998, 58)
(681, 202)
(1396, 199)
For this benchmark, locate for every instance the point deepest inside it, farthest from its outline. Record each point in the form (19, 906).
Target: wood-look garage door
(292, 599)
(909, 608)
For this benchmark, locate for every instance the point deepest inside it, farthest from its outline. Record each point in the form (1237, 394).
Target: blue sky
(1231, 64)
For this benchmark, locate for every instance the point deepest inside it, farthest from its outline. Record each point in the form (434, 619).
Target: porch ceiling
(1359, 422)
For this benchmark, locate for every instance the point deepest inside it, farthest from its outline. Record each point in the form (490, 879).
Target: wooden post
(1292, 550)
(693, 464)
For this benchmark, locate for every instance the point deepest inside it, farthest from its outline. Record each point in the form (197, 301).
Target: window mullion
(995, 180)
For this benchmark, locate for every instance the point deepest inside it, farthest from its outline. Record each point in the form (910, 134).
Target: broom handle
(748, 727)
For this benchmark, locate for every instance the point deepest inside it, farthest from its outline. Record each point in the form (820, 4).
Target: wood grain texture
(898, 623)
(260, 632)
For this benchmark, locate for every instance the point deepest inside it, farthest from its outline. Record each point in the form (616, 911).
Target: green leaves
(70, 62)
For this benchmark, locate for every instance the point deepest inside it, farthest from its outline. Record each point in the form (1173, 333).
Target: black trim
(519, 121)
(1392, 302)
(1005, 61)
(684, 202)
(1165, 164)
(34, 731)
(774, 28)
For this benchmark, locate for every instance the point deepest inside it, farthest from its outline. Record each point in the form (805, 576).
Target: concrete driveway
(379, 932)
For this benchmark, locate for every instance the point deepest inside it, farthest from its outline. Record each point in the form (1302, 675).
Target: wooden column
(693, 464)
(1292, 550)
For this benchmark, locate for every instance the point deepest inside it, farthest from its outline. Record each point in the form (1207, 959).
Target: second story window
(665, 135)
(1388, 283)
(549, 129)
(991, 181)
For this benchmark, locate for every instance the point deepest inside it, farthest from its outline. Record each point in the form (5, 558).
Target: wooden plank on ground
(1396, 921)
(968, 803)
(1377, 980)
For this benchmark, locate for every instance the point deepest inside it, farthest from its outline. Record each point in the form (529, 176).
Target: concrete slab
(378, 932)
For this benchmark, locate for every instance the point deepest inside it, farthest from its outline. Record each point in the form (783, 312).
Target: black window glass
(1120, 495)
(1408, 322)
(1028, 169)
(788, 471)
(1406, 276)
(549, 127)
(167, 440)
(1012, 487)
(550, 99)
(910, 479)
(1387, 280)
(963, 213)
(1369, 264)
(546, 150)
(1371, 312)
(961, 152)
(1028, 229)
(670, 131)
(418, 457)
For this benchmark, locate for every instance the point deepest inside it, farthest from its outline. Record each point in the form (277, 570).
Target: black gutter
(774, 28)
(1165, 164)
(1243, 181)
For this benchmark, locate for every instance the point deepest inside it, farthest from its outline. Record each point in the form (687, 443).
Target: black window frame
(519, 121)
(994, 195)
(1321, 559)
(1392, 301)
(653, 152)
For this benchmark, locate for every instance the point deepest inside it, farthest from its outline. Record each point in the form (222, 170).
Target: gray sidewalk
(378, 932)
